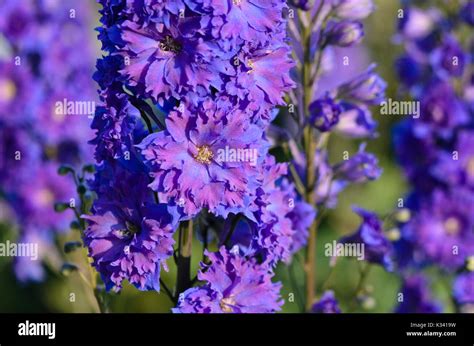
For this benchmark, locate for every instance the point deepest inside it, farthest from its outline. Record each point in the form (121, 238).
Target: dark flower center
(130, 230)
(168, 44)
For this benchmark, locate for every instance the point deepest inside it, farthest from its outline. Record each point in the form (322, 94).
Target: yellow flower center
(45, 197)
(250, 65)
(452, 226)
(470, 167)
(237, 2)
(7, 90)
(204, 154)
(227, 304)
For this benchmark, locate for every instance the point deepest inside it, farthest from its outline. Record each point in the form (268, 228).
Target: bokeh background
(53, 295)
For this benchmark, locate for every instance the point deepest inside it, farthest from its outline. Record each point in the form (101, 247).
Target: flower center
(452, 226)
(204, 154)
(470, 167)
(45, 197)
(250, 65)
(237, 2)
(168, 44)
(227, 304)
(7, 90)
(130, 230)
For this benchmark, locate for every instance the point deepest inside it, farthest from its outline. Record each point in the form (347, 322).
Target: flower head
(233, 284)
(129, 237)
(206, 158)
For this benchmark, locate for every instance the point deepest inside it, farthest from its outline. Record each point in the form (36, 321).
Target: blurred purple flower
(377, 248)
(416, 297)
(353, 9)
(344, 33)
(324, 113)
(327, 304)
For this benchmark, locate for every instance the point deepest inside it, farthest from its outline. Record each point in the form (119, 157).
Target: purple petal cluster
(206, 158)
(129, 237)
(232, 284)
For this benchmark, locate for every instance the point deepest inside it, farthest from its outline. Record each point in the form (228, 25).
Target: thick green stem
(308, 144)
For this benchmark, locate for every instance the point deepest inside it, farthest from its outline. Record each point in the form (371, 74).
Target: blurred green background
(54, 294)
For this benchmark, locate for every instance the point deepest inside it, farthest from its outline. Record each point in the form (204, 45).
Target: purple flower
(442, 228)
(249, 20)
(416, 24)
(262, 75)
(327, 304)
(353, 9)
(408, 70)
(28, 269)
(114, 123)
(15, 92)
(345, 33)
(324, 113)
(268, 232)
(416, 297)
(366, 88)
(206, 158)
(129, 237)
(441, 109)
(172, 61)
(355, 121)
(463, 288)
(19, 155)
(302, 216)
(450, 58)
(467, 12)
(359, 168)
(377, 248)
(274, 232)
(457, 167)
(233, 284)
(37, 194)
(17, 19)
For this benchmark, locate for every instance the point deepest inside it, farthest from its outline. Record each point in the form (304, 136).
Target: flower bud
(324, 113)
(345, 33)
(353, 9)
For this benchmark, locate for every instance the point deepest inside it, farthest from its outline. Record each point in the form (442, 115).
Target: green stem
(183, 281)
